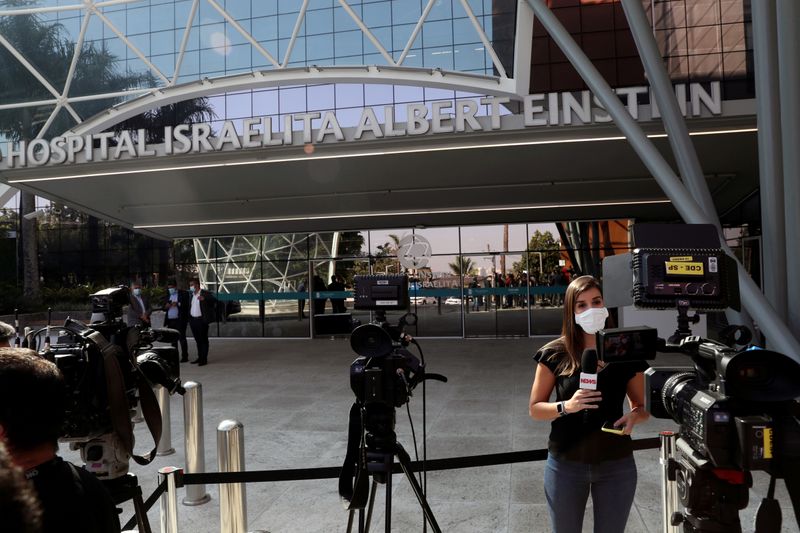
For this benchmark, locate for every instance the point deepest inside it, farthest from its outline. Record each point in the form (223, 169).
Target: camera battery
(755, 441)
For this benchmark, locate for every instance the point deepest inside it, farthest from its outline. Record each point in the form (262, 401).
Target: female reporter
(582, 457)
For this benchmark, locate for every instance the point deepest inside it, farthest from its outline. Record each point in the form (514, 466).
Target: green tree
(463, 266)
(47, 47)
(542, 246)
(155, 120)
(384, 258)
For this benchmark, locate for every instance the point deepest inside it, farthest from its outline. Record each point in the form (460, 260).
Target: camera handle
(683, 322)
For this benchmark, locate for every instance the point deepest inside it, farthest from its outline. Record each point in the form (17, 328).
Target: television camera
(109, 368)
(382, 379)
(736, 408)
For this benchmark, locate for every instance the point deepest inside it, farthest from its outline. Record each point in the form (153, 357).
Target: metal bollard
(669, 489)
(165, 444)
(194, 442)
(169, 499)
(230, 458)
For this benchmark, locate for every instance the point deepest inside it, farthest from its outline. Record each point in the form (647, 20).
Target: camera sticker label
(767, 443)
(684, 268)
(712, 264)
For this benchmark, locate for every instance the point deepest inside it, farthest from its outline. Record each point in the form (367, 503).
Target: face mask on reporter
(592, 320)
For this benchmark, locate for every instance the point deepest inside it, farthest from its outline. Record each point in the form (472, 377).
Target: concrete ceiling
(371, 184)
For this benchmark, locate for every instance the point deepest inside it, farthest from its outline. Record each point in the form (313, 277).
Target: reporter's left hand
(629, 420)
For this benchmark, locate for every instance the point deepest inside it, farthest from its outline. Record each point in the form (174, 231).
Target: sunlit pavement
(293, 397)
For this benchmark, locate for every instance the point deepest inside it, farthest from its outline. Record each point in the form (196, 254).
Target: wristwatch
(562, 408)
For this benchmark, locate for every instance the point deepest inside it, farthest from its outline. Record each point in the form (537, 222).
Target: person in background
(487, 284)
(319, 303)
(337, 284)
(582, 458)
(202, 312)
(177, 306)
(32, 399)
(476, 300)
(301, 302)
(139, 308)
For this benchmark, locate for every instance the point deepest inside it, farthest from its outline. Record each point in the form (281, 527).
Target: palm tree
(396, 249)
(463, 266)
(45, 46)
(155, 120)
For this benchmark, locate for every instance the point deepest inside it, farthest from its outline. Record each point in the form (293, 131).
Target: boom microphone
(588, 378)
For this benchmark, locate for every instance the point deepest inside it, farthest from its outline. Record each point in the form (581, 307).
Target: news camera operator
(583, 457)
(32, 397)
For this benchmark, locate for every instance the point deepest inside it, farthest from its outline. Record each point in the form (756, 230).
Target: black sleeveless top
(577, 436)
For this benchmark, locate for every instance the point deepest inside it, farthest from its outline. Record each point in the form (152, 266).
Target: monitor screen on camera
(381, 292)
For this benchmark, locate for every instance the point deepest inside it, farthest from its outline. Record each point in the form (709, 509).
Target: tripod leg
(405, 464)
(350, 515)
(141, 515)
(371, 503)
(388, 518)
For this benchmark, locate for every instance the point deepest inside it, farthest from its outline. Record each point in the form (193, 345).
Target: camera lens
(677, 394)
(370, 340)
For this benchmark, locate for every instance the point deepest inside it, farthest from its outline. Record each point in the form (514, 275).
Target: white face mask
(592, 320)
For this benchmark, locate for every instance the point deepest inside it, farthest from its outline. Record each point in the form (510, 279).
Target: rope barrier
(332, 472)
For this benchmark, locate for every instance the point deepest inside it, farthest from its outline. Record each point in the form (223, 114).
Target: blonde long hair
(571, 340)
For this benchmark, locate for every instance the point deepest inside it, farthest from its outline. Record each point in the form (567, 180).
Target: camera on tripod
(382, 378)
(108, 369)
(736, 409)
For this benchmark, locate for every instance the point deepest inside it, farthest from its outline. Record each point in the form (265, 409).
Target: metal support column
(689, 167)
(788, 23)
(194, 441)
(169, 499)
(669, 489)
(678, 134)
(770, 164)
(165, 444)
(780, 336)
(230, 458)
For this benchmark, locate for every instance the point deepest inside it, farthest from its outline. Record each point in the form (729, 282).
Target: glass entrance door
(496, 304)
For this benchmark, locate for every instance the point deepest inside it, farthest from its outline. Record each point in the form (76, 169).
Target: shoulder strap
(354, 494)
(118, 403)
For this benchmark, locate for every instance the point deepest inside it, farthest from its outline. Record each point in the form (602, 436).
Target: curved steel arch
(418, 77)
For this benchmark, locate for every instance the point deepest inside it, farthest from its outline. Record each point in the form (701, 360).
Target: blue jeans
(567, 485)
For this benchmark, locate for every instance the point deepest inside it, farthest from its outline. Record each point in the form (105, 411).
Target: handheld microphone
(589, 369)
(588, 377)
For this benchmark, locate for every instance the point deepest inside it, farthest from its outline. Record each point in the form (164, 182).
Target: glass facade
(700, 40)
(477, 281)
(127, 48)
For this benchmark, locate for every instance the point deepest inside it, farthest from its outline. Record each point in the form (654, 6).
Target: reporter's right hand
(583, 399)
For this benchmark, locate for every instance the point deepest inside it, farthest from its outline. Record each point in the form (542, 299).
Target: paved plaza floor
(293, 398)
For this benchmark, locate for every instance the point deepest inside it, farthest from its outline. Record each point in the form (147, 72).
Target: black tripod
(380, 464)
(127, 488)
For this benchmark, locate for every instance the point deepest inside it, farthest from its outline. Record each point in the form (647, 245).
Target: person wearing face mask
(582, 458)
(139, 308)
(176, 306)
(201, 313)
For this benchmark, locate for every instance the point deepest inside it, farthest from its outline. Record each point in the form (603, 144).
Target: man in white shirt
(202, 312)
